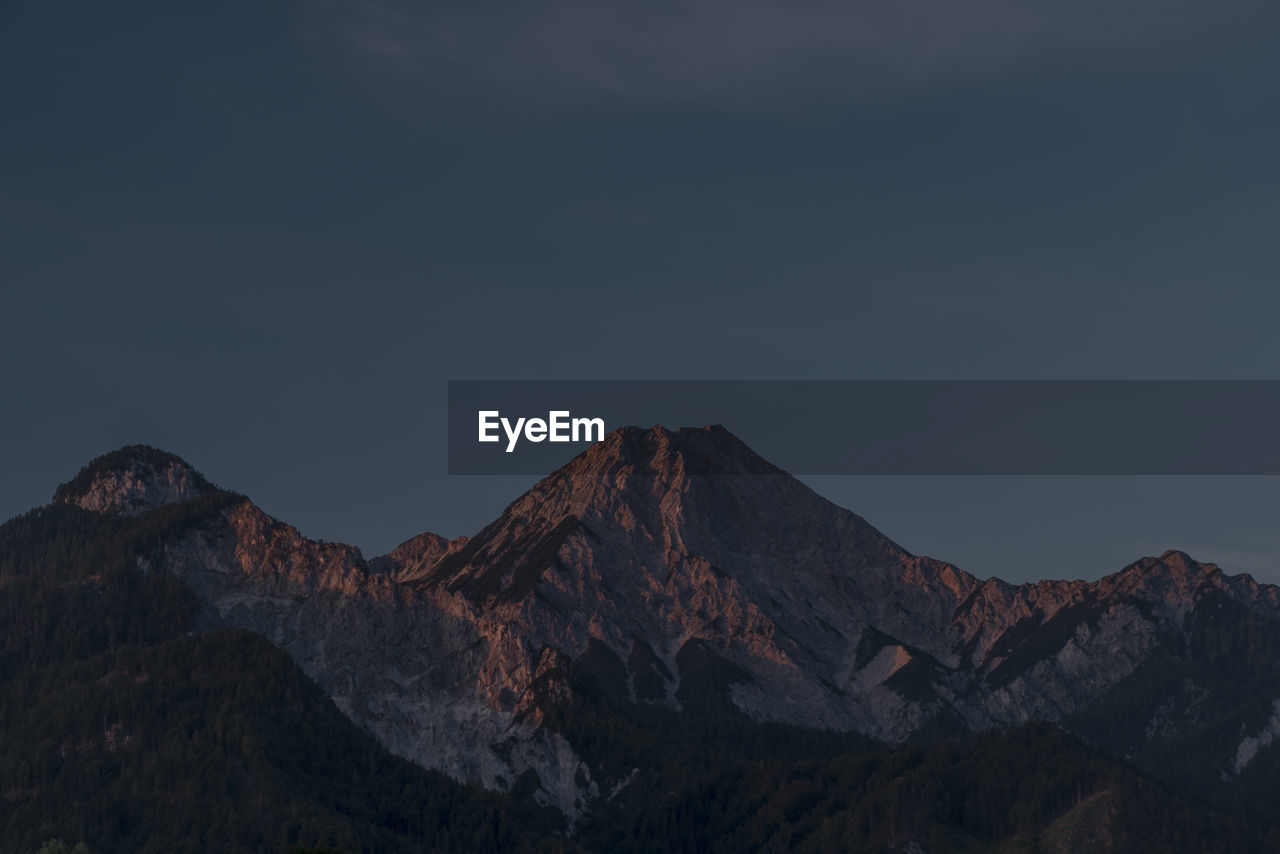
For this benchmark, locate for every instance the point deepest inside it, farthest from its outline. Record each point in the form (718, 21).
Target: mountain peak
(131, 481)
(675, 516)
(658, 477)
(1182, 560)
(707, 450)
(412, 559)
(1173, 562)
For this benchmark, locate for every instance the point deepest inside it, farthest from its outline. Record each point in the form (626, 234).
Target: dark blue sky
(263, 236)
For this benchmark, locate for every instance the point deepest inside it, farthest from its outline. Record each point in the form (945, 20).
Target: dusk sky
(264, 235)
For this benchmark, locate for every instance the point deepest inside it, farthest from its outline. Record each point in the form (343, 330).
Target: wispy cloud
(738, 49)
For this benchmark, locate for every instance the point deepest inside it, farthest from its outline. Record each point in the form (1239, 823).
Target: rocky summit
(133, 480)
(677, 565)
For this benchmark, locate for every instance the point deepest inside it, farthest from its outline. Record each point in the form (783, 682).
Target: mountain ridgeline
(668, 644)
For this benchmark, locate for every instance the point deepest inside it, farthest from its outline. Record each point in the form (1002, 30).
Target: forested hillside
(123, 730)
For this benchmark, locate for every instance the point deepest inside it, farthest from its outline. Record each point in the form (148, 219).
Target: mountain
(669, 547)
(124, 727)
(669, 599)
(133, 480)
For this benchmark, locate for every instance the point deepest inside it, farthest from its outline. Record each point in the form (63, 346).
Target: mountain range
(668, 606)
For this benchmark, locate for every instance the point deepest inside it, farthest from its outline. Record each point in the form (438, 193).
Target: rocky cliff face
(665, 549)
(404, 664)
(644, 540)
(133, 480)
(414, 558)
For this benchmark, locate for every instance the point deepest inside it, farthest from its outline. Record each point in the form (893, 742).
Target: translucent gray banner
(888, 426)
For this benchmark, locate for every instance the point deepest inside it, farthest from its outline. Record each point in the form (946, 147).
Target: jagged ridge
(643, 551)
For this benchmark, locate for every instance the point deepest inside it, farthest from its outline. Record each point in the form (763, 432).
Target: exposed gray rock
(133, 480)
(667, 541)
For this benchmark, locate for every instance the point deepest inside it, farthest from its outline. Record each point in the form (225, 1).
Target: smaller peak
(1169, 559)
(1172, 579)
(1179, 558)
(1180, 561)
(412, 558)
(133, 480)
(420, 547)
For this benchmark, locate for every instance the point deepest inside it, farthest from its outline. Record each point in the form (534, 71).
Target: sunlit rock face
(669, 538)
(664, 550)
(402, 663)
(414, 558)
(133, 480)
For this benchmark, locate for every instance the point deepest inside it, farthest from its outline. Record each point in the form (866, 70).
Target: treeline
(708, 779)
(1029, 789)
(1186, 702)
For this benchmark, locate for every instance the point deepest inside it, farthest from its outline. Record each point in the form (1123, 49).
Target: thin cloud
(739, 49)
